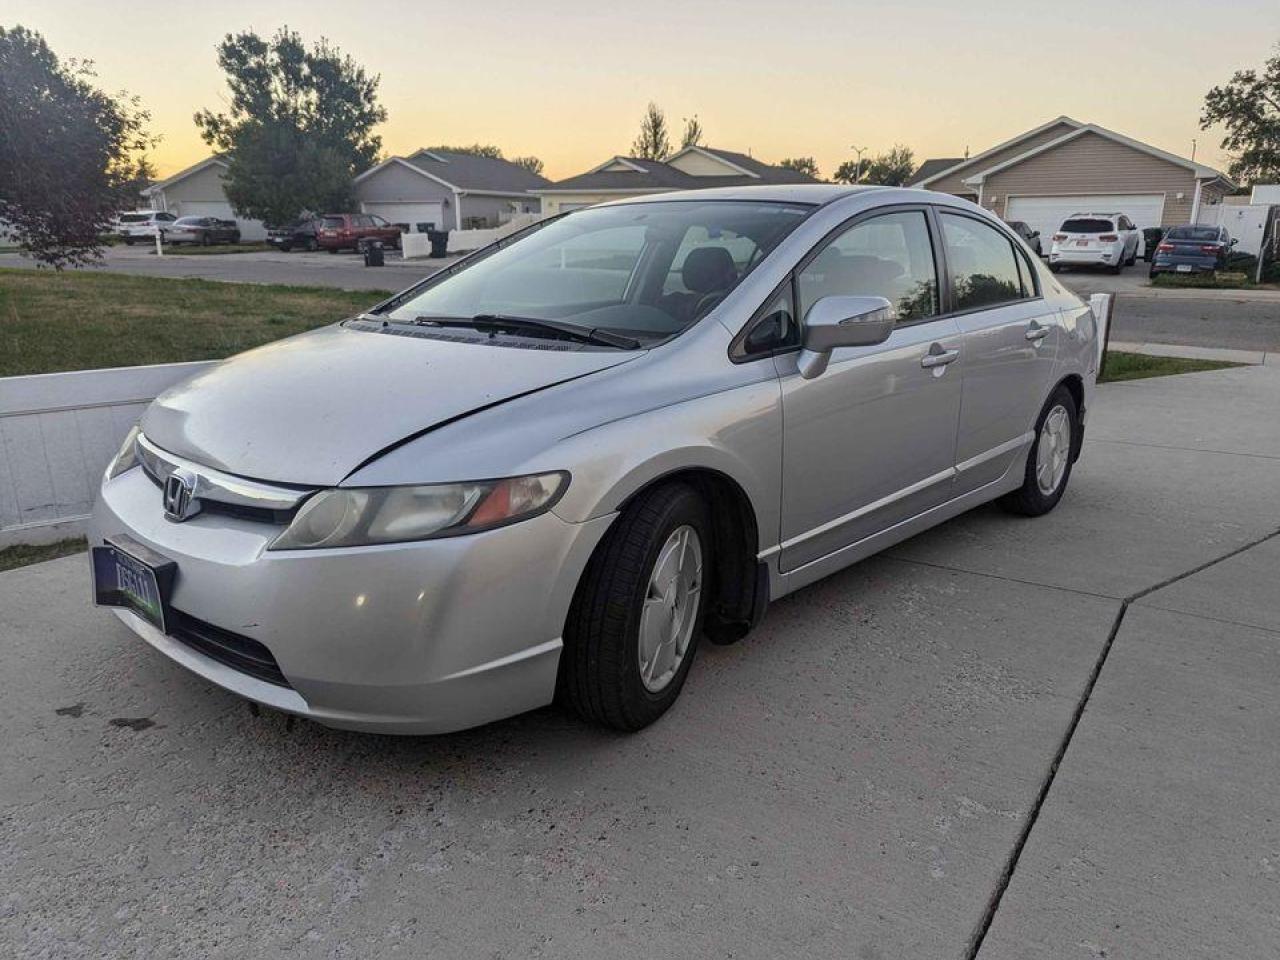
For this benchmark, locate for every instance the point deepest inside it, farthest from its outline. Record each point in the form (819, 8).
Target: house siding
(205, 187)
(953, 180)
(1092, 164)
(700, 165)
(554, 203)
(396, 183)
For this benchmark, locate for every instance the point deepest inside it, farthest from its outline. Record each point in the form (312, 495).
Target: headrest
(707, 269)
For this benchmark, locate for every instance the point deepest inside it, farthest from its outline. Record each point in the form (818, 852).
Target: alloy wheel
(1054, 450)
(670, 611)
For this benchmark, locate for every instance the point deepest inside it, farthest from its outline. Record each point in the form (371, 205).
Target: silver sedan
(549, 471)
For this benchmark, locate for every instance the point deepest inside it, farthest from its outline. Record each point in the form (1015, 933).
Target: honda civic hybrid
(552, 469)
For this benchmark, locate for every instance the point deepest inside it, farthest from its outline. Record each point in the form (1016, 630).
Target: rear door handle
(939, 359)
(1037, 332)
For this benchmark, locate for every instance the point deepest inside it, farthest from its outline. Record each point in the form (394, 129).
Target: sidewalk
(1197, 353)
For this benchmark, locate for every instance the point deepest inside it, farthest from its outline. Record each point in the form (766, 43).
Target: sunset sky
(568, 81)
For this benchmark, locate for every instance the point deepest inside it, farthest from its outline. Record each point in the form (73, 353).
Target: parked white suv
(142, 224)
(1095, 240)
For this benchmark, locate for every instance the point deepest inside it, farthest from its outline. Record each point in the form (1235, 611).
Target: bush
(1211, 281)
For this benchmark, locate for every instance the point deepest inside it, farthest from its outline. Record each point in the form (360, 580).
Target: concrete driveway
(1007, 738)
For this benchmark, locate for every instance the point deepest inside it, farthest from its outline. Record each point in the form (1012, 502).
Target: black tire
(286, 247)
(128, 241)
(333, 249)
(1151, 273)
(1118, 265)
(311, 246)
(1054, 268)
(1029, 500)
(600, 666)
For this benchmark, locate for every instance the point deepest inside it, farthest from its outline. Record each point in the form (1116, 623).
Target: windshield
(642, 270)
(1090, 225)
(1192, 233)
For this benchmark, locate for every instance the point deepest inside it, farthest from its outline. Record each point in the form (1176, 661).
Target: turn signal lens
(126, 458)
(371, 515)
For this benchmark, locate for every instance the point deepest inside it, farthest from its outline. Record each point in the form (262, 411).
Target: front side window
(982, 263)
(887, 256)
(775, 327)
(645, 270)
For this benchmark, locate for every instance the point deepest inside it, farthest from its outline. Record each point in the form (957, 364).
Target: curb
(1252, 357)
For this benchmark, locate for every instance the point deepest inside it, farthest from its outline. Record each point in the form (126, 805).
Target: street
(1243, 320)
(1005, 737)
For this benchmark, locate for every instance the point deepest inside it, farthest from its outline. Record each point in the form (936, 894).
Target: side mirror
(843, 322)
(1234, 241)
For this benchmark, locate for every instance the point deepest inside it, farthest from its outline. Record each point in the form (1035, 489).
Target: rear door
(1010, 338)
(871, 441)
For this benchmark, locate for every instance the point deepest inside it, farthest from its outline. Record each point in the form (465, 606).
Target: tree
(891, 169)
(69, 153)
(693, 133)
(1249, 107)
(475, 150)
(802, 165)
(532, 164)
(299, 126)
(654, 142)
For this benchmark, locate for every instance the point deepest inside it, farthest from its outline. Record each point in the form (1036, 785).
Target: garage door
(1047, 213)
(410, 213)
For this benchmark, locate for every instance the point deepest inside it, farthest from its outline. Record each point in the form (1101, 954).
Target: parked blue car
(1192, 250)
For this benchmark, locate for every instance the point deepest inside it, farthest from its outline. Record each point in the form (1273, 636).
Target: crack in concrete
(1011, 865)
(1174, 446)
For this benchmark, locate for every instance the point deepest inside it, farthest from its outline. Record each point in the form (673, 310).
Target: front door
(870, 441)
(1010, 342)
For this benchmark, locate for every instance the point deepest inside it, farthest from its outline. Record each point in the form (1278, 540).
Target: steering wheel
(706, 302)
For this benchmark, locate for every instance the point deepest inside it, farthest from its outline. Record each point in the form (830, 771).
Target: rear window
(135, 217)
(334, 223)
(189, 220)
(1192, 233)
(1087, 225)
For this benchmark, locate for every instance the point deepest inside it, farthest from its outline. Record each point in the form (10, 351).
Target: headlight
(127, 458)
(369, 515)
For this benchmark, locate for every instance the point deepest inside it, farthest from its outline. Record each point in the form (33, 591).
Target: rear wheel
(1049, 462)
(633, 629)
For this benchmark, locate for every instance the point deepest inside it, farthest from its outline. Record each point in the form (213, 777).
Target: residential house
(689, 169)
(1044, 175)
(199, 191)
(444, 189)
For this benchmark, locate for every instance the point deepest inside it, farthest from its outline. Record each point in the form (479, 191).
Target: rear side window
(333, 223)
(887, 256)
(982, 263)
(1087, 225)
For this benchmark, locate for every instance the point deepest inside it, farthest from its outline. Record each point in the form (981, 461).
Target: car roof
(808, 193)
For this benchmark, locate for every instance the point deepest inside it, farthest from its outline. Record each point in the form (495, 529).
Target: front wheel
(634, 625)
(1049, 462)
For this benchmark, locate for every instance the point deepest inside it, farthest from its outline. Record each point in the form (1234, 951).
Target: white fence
(58, 432)
(461, 241)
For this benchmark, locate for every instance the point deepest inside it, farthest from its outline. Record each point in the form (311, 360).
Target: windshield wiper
(502, 321)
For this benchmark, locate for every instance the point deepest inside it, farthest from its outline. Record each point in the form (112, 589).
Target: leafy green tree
(1249, 107)
(654, 141)
(475, 150)
(532, 164)
(892, 169)
(298, 128)
(693, 133)
(802, 165)
(70, 155)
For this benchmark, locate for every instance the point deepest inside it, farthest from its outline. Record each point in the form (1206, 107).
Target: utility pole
(857, 176)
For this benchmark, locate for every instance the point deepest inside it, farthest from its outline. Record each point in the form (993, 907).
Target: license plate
(1082, 243)
(130, 575)
(1183, 268)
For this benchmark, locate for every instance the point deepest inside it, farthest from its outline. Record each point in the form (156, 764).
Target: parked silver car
(548, 470)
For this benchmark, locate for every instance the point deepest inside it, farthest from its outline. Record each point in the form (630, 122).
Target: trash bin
(1150, 237)
(439, 243)
(373, 253)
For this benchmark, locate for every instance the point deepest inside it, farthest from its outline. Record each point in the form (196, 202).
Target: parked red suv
(348, 231)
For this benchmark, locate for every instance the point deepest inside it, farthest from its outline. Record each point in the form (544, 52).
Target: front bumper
(412, 638)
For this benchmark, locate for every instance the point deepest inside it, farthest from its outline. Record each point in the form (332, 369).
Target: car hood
(310, 409)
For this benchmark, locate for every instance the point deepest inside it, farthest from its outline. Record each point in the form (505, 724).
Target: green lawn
(22, 555)
(80, 320)
(1136, 366)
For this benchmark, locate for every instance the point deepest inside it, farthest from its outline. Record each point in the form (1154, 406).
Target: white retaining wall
(58, 432)
(461, 241)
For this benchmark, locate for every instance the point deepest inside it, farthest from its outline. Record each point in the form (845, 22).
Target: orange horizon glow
(569, 81)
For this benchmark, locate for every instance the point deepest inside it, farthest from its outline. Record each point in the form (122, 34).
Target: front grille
(278, 518)
(240, 653)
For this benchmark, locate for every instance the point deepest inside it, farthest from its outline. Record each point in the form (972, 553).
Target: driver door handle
(1037, 332)
(939, 359)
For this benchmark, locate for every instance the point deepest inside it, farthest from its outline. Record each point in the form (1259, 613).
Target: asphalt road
(1047, 738)
(1143, 315)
